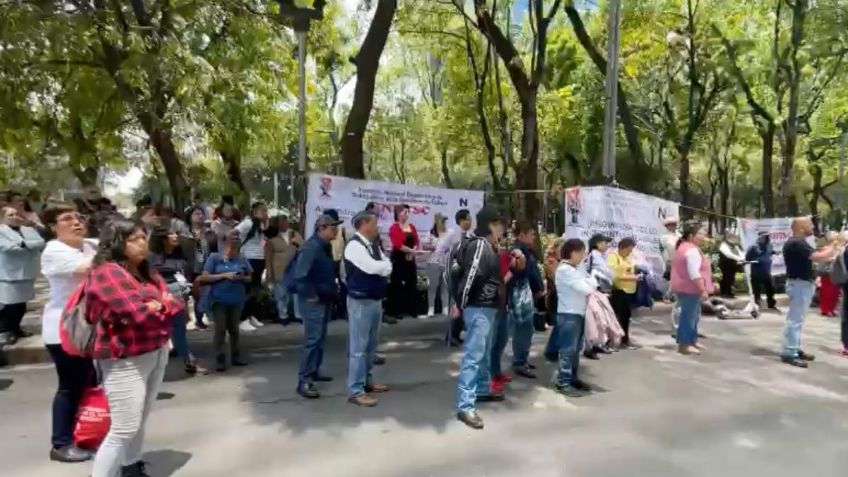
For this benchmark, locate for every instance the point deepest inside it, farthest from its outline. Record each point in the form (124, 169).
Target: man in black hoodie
(479, 292)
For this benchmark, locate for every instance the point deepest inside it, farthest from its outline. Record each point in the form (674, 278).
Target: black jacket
(481, 283)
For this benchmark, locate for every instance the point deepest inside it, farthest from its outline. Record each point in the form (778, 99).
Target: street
(734, 411)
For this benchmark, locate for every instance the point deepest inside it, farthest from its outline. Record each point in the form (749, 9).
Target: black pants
(845, 317)
(728, 278)
(621, 302)
(11, 316)
(760, 283)
(338, 310)
(403, 287)
(75, 374)
(253, 288)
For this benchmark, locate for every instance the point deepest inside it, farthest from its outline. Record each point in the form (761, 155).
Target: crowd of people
(141, 275)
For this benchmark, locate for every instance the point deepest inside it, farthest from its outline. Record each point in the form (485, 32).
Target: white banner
(350, 196)
(779, 230)
(620, 213)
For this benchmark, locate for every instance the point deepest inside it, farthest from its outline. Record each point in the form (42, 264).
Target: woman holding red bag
(64, 263)
(131, 308)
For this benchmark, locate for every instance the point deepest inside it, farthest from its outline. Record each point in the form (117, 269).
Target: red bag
(93, 420)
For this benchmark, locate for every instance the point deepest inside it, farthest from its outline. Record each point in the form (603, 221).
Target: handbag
(93, 419)
(76, 333)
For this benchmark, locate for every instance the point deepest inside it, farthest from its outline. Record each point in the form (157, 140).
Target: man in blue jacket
(522, 290)
(761, 253)
(317, 290)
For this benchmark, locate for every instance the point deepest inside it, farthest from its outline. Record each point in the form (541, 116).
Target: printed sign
(779, 230)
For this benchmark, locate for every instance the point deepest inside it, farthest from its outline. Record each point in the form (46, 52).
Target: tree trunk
(527, 177)
(789, 206)
(232, 163)
(163, 142)
(685, 198)
(445, 169)
(767, 136)
(367, 62)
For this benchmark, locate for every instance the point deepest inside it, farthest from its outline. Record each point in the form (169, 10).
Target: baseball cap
(334, 214)
(325, 220)
(486, 216)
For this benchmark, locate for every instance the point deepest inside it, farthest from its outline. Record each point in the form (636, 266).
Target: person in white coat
(574, 285)
(20, 248)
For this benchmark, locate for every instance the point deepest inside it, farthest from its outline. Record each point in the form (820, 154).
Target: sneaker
(379, 360)
(797, 362)
(470, 419)
(308, 391)
(581, 385)
(431, 312)
(496, 387)
(255, 322)
(571, 391)
(805, 356)
(363, 400)
(524, 372)
(246, 326)
(69, 454)
(504, 378)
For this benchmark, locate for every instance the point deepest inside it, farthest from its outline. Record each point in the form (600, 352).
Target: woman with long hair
(404, 280)
(226, 272)
(280, 248)
(436, 265)
(20, 246)
(691, 282)
(251, 233)
(205, 243)
(65, 262)
(226, 218)
(168, 259)
(132, 310)
(624, 281)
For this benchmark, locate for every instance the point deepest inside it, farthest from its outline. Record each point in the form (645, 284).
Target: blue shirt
(762, 256)
(314, 272)
(227, 292)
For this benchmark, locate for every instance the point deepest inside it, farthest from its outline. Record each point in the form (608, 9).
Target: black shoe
(308, 391)
(239, 362)
(454, 342)
(702, 336)
(201, 325)
(134, 470)
(221, 361)
(470, 419)
(322, 379)
(524, 372)
(379, 360)
(794, 362)
(591, 354)
(601, 349)
(491, 397)
(571, 391)
(581, 385)
(69, 454)
(531, 365)
(805, 356)
(552, 357)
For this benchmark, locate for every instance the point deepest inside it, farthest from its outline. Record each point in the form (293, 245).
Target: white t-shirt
(252, 247)
(58, 263)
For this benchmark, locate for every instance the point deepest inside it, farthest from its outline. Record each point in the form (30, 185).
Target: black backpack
(456, 272)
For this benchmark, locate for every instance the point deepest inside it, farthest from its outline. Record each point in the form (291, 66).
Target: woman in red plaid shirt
(132, 310)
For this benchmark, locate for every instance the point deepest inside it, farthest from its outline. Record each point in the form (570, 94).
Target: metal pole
(276, 190)
(611, 111)
(301, 95)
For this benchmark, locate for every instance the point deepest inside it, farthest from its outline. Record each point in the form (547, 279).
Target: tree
(367, 62)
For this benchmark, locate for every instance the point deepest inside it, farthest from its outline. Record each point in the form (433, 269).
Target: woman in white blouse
(436, 264)
(65, 262)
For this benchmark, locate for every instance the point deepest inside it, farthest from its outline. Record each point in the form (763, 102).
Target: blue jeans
(179, 338)
(282, 297)
(364, 317)
(522, 337)
(553, 340)
(314, 316)
(500, 336)
(688, 316)
(474, 377)
(800, 296)
(569, 330)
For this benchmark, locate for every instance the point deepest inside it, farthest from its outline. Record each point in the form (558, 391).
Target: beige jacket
(279, 252)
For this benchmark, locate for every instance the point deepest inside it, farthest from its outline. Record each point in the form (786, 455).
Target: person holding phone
(226, 273)
(624, 281)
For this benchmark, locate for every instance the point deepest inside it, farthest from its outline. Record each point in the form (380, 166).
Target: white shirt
(58, 263)
(360, 255)
(730, 252)
(693, 263)
(573, 287)
(252, 247)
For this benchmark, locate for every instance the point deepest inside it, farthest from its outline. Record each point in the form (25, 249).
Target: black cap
(486, 216)
(333, 213)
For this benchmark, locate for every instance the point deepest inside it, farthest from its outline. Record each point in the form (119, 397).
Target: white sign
(350, 196)
(620, 213)
(779, 230)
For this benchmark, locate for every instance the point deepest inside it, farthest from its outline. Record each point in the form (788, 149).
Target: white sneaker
(255, 322)
(431, 312)
(246, 326)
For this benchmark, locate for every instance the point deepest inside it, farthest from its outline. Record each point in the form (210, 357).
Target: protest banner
(620, 213)
(779, 230)
(349, 196)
